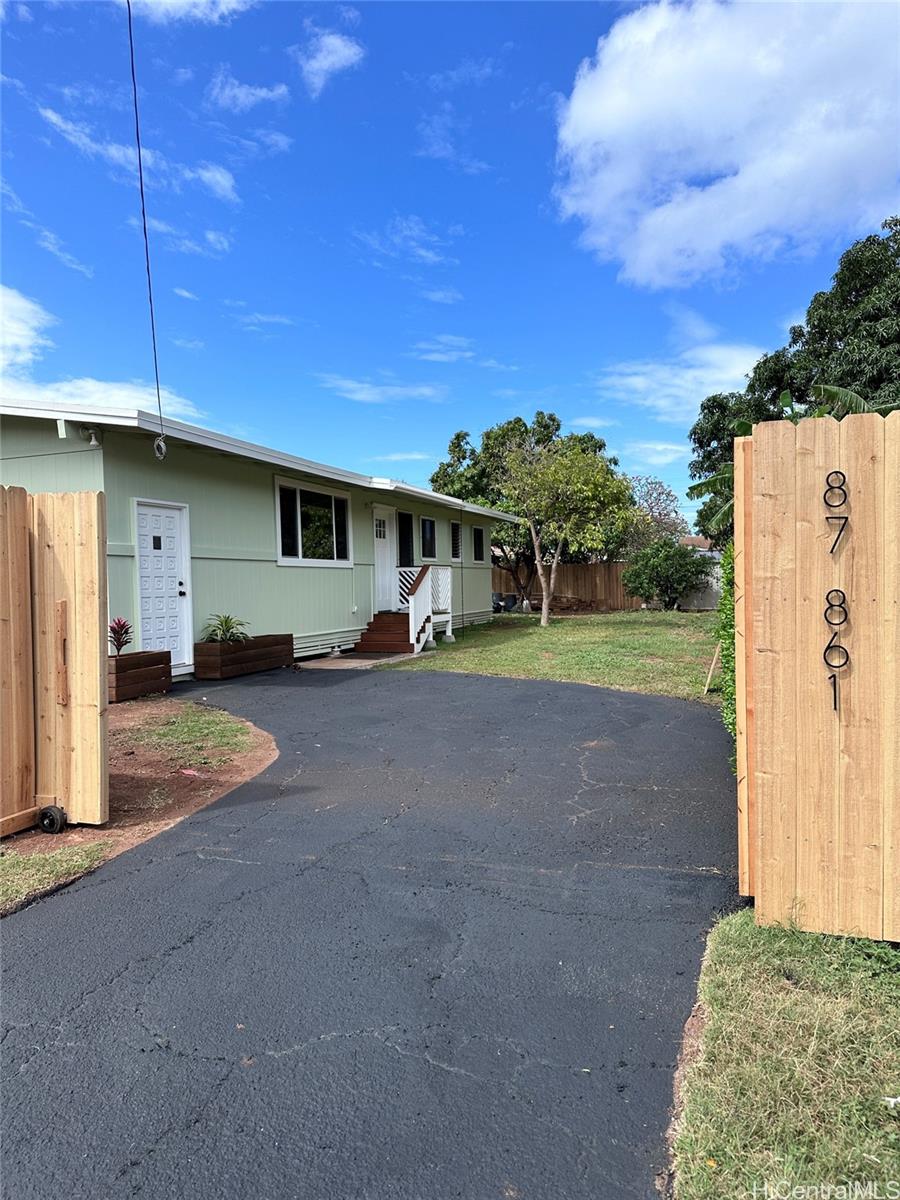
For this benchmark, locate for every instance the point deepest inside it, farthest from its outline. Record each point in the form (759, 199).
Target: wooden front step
(387, 633)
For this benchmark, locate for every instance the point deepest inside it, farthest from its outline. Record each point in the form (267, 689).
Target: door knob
(182, 593)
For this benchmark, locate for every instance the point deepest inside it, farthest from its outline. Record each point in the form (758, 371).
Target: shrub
(120, 632)
(665, 571)
(221, 627)
(725, 631)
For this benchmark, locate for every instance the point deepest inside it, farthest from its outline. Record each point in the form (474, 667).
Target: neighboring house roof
(694, 539)
(135, 418)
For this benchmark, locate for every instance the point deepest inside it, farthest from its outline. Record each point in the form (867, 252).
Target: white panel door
(163, 562)
(385, 558)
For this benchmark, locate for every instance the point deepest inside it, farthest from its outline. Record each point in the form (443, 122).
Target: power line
(159, 446)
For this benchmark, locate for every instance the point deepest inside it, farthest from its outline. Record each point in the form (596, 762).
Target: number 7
(842, 521)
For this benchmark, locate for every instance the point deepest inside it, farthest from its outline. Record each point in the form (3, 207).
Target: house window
(313, 526)
(477, 543)
(429, 545)
(455, 541)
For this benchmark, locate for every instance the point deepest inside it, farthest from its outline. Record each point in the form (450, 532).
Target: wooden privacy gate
(53, 657)
(817, 632)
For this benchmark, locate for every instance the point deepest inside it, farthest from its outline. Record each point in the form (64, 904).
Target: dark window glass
(341, 536)
(316, 525)
(455, 539)
(478, 544)
(428, 542)
(287, 507)
(405, 538)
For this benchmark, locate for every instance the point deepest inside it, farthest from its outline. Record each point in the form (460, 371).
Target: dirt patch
(687, 1056)
(148, 791)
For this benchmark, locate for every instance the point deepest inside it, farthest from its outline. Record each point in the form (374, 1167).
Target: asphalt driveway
(443, 947)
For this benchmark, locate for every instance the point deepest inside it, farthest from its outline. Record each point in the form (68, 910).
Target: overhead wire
(159, 445)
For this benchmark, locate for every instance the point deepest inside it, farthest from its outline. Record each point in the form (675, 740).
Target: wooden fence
(594, 586)
(817, 616)
(53, 657)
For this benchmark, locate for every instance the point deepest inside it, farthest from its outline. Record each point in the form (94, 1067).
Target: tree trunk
(550, 590)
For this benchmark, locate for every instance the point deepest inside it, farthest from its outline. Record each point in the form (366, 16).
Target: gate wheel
(52, 819)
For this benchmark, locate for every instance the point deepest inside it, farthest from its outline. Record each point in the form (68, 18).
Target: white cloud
(757, 130)
(403, 456)
(446, 347)
(494, 365)
(157, 168)
(257, 321)
(470, 71)
(365, 392)
(44, 237)
(213, 244)
(188, 343)
(593, 422)
(672, 389)
(23, 340)
(182, 75)
(226, 92)
(439, 134)
(446, 295)
(656, 454)
(23, 325)
(409, 237)
(185, 294)
(325, 54)
(211, 12)
(274, 140)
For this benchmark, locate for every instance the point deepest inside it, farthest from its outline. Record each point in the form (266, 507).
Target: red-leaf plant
(119, 634)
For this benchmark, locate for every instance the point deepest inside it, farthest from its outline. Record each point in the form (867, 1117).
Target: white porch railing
(428, 593)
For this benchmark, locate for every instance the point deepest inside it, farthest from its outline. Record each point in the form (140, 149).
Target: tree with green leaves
(570, 498)
(847, 349)
(665, 571)
(480, 475)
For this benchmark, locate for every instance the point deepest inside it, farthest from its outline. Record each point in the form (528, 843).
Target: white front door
(163, 564)
(385, 521)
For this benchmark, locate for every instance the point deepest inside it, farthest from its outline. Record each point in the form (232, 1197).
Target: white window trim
(484, 559)
(456, 557)
(427, 558)
(303, 485)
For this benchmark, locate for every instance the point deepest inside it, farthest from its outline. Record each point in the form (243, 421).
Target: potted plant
(226, 649)
(138, 673)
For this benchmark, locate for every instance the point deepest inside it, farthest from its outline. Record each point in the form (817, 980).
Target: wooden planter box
(139, 674)
(224, 660)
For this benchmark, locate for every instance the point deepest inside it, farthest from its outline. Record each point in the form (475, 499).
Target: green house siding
(234, 553)
(233, 533)
(34, 456)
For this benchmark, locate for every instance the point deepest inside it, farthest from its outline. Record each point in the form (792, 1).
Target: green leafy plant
(221, 627)
(120, 632)
(665, 571)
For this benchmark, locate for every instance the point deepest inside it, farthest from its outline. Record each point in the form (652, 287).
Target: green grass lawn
(196, 736)
(800, 1051)
(23, 874)
(667, 653)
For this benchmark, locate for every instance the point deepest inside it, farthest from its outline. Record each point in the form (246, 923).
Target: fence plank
(861, 829)
(890, 677)
(743, 450)
(817, 786)
(774, 569)
(16, 697)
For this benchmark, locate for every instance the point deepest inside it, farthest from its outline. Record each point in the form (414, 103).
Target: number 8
(835, 487)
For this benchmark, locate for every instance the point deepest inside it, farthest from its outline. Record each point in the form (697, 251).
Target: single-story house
(225, 526)
(708, 597)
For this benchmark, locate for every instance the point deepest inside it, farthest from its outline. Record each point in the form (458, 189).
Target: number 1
(833, 680)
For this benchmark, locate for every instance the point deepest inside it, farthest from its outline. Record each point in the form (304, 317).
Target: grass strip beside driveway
(798, 1058)
(662, 653)
(23, 875)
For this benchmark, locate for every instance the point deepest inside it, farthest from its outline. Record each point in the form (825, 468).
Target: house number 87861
(836, 613)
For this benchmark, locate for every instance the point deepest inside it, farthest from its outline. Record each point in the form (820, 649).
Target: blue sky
(374, 225)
